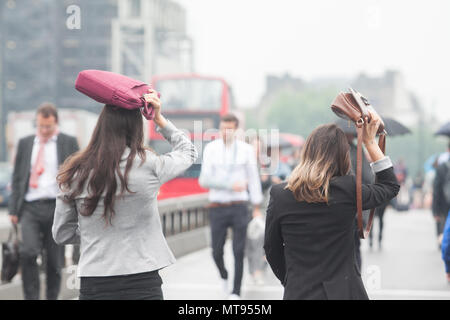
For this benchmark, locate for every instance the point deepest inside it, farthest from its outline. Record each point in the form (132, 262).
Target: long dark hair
(326, 154)
(116, 129)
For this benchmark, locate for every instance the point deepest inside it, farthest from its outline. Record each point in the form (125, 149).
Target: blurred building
(46, 43)
(390, 96)
(149, 37)
(275, 85)
(388, 93)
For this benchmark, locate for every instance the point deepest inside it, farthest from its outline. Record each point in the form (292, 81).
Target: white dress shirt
(443, 157)
(223, 166)
(47, 186)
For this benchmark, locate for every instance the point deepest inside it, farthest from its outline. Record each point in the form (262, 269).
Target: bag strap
(364, 233)
(147, 111)
(13, 232)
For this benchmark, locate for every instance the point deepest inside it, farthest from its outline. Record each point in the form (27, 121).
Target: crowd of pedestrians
(299, 219)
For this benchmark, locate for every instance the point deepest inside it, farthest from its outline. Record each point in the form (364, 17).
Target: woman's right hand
(369, 133)
(370, 129)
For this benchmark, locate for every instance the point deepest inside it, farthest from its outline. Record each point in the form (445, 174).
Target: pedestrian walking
(445, 156)
(281, 170)
(379, 213)
(254, 251)
(230, 171)
(309, 239)
(33, 199)
(403, 200)
(441, 197)
(107, 203)
(446, 247)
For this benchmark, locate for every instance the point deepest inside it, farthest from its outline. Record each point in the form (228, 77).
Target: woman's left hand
(152, 98)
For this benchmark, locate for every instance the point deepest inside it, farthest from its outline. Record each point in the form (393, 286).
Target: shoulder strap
(13, 233)
(363, 233)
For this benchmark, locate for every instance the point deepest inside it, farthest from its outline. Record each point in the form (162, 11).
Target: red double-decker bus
(194, 103)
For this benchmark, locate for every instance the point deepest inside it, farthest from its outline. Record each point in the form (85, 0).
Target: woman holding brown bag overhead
(309, 240)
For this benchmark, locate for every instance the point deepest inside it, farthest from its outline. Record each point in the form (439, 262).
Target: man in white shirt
(444, 157)
(33, 200)
(230, 171)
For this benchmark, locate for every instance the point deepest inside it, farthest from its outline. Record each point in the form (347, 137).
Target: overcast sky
(243, 40)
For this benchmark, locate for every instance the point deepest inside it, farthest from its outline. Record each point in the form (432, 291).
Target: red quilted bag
(115, 89)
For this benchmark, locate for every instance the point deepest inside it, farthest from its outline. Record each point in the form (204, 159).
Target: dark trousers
(76, 254)
(36, 230)
(379, 212)
(358, 259)
(440, 224)
(139, 286)
(221, 218)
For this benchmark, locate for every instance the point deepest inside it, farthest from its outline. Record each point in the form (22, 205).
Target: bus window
(190, 94)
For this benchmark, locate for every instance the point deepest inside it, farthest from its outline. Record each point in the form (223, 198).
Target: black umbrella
(444, 130)
(392, 127)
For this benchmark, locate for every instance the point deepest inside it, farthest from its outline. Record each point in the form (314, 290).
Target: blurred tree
(300, 112)
(416, 148)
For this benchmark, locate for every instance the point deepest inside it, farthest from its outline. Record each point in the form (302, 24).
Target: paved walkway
(196, 277)
(408, 267)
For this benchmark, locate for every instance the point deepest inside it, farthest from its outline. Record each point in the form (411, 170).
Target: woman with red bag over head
(107, 201)
(309, 240)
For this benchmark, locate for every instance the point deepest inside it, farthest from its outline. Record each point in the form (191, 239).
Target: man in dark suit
(440, 204)
(33, 199)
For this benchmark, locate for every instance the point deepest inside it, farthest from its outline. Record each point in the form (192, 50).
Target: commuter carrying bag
(115, 89)
(354, 107)
(10, 256)
(445, 246)
(446, 186)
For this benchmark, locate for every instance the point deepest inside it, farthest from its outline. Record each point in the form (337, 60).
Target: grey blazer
(65, 145)
(134, 243)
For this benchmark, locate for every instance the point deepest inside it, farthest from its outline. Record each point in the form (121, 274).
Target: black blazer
(310, 246)
(65, 146)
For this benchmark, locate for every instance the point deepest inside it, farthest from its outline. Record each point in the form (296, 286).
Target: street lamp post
(2, 108)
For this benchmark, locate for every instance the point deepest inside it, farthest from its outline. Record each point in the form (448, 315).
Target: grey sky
(244, 40)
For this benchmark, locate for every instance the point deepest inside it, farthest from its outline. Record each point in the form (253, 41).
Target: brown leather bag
(354, 107)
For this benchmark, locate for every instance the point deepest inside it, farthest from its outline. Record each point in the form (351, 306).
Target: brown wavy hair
(115, 130)
(326, 154)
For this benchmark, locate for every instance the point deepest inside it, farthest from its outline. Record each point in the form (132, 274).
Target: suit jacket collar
(59, 148)
(28, 151)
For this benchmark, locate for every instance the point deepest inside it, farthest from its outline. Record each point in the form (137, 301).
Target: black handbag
(10, 255)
